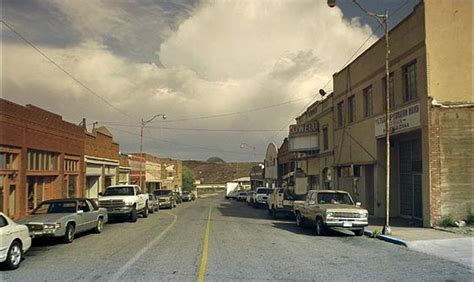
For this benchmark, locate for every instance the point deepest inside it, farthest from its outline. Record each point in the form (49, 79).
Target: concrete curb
(386, 238)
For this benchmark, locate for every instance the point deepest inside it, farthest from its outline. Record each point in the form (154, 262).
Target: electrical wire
(62, 69)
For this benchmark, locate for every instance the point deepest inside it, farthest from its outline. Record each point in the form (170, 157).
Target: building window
(368, 107)
(38, 160)
(340, 114)
(391, 91)
(72, 186)
(7, 160)
(351, 108)
(409, 81)
(325, 138)
(71, 165)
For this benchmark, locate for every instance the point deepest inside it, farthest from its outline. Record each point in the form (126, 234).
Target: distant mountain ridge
(218, 172)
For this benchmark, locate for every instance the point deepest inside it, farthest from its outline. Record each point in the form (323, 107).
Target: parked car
(232, 194)
(187, 196)
(153, 203)
(280, 201)
(261, 197)
(124, 200)
(15, 241)
(166, 198)
(330, 208)
(241, 196)
(65, 217)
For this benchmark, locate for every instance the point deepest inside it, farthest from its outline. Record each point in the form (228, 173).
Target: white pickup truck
(124, 200)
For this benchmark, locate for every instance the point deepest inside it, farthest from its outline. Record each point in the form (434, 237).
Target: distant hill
(212, 172)
(216, 160)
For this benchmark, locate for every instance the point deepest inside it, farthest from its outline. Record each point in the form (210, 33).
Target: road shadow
(233, 208)
(309, 231)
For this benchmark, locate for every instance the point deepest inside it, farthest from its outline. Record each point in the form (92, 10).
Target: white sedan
(15, 240)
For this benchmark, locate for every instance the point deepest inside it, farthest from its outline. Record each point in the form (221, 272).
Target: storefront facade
(41, 158)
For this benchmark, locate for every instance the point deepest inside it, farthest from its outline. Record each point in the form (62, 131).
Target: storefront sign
(304, 129)
(303, 143)
(400, 120)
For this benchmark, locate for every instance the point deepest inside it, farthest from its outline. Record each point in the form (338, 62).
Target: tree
(188, 179)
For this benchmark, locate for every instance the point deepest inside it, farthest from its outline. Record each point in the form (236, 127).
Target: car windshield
(119, 191)
(56, 207)
(163, 192)
(264, 191)
(335, 198)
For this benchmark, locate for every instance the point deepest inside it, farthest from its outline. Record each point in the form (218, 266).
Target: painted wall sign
(400, 120)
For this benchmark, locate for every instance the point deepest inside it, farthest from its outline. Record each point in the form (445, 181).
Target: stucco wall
(452, 169)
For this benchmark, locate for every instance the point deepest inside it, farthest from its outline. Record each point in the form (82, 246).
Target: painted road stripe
(205, 250)
(126, 266)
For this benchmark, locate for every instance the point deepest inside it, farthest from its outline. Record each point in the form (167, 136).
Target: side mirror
(101, 194)
(358, 204)
(80, 211)
(312, 202)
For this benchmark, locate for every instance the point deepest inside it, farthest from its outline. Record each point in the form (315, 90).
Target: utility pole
(142, 127)
(383, 21)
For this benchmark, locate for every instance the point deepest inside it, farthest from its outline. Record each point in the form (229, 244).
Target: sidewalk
(443, 244)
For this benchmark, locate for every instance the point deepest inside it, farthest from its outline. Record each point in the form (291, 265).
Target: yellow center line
(205, 250)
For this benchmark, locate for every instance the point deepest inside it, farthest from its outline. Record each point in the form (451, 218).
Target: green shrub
(376, 233)
(447, 221)
(470, 218)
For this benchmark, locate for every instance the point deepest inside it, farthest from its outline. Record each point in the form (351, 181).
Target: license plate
(347, 224)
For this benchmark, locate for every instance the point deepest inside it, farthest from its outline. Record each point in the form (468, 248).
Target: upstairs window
(325, 138)
(351, 111)
(409, 81)
(340, 114)
(368, 107)
(391, 91)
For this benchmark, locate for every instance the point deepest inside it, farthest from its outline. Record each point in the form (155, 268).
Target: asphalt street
(225, 240)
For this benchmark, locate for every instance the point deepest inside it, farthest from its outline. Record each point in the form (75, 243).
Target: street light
(143, 124)
(243, 145)
(383, 21)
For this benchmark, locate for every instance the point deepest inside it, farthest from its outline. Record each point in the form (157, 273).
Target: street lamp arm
(150, 120)
(380, 18)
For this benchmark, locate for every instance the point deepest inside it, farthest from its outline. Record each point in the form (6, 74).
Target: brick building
(102, 161)
(41, 157)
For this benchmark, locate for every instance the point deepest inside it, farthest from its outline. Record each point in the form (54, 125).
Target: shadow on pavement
(307, 230)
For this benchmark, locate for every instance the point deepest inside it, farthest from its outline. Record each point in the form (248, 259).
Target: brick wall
(29, 127)
(100, 144)
(452, 162)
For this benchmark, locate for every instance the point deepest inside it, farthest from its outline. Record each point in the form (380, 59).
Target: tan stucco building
(311, 141)
(432, 117)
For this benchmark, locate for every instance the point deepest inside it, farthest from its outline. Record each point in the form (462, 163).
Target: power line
(177, 143)
(62, 69)
(345, 64)
(240, 112)
(198, 129)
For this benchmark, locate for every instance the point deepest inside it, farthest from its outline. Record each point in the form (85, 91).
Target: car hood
(338, 207)
(44, 218)
(118, 197)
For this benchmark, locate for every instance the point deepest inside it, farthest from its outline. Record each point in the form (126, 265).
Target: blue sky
(207, 65)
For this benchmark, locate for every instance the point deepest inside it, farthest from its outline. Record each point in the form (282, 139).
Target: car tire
(14, 255)
(320, 228)
(359, 232)
(69, 235)
(99, 225)
(299, 220)
(133, 214)
(145, 211)
(152, 210)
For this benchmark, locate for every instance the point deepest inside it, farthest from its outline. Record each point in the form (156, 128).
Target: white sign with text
(405, 118)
